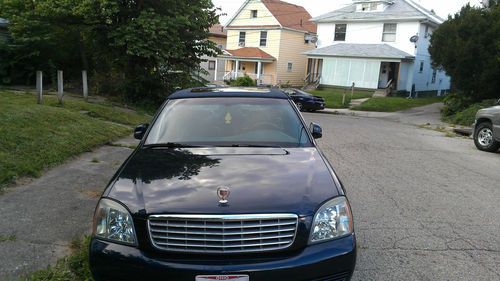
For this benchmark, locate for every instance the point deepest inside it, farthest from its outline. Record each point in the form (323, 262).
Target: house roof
(397, 9)
(360, 51)
(249, 53)
(217, 30)
(288, 15)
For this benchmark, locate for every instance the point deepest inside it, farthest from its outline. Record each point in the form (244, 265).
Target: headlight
(113, 222)
(332, 220)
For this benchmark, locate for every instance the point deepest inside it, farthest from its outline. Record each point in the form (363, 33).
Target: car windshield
(228, 122)
(296, 92)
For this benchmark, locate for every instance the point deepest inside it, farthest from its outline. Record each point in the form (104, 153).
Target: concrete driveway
(425, 205)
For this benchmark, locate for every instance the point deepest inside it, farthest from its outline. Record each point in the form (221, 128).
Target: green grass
(392, 104)
(467, 116)
(7, 238)
(35, 137)
(75, 267)
(333, 97)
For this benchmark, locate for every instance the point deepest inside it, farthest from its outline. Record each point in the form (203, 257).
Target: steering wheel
(263, 125)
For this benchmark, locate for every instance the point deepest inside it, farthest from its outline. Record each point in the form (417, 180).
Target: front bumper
(334, 261)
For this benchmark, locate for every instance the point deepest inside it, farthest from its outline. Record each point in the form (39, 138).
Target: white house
(377, 44)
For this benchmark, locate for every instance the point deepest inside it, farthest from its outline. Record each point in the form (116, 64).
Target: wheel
(483, 138)
(299, 105)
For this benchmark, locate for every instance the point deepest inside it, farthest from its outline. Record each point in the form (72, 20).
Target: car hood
(261, 180)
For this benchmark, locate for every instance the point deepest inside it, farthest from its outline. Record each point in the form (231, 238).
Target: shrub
(244, 81)
(466, 117)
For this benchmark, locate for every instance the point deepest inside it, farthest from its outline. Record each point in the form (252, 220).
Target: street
(425, 205)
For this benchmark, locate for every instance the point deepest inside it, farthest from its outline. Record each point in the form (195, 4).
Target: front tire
(483, 138)
(299, 106)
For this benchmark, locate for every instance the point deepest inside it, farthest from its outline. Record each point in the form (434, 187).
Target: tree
(137, 48)
(467, 46)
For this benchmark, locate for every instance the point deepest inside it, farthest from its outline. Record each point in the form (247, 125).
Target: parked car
(226, 184)
(487, 128)
(305, 101)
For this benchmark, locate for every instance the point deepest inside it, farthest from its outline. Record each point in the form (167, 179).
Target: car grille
(222, 233)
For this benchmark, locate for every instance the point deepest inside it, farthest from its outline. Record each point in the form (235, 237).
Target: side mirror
(140, 130)
(316, 130)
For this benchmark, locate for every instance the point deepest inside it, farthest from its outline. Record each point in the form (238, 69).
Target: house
(218, 35)
(267, 39)
(377, 44)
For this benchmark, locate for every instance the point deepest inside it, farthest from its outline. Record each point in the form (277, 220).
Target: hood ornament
(223, 193)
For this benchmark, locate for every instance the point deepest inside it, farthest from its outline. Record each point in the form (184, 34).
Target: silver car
(487, 129)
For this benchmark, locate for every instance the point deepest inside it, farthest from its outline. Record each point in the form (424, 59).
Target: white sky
(319, 7)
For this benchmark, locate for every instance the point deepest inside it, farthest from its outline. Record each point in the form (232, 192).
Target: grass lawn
(392, 104)
(333, 97)
(75, 267)
(34, 137)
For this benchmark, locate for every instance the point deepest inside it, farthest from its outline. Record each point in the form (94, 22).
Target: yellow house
(214, 71)
(266, 40)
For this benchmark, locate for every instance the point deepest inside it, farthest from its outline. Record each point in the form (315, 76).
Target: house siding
(252, 39)
(292, 50)
(264, 16)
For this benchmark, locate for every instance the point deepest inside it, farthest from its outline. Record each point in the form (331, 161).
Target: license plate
(222, 277)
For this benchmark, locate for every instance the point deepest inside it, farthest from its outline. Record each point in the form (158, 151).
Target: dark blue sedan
(226, 184)
(305, 101)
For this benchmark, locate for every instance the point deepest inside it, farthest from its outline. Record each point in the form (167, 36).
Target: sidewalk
(42, 217)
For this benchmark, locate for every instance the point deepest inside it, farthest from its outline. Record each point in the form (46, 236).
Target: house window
(340, 32)
(426, 31)
(373, 6)
(211, 65)
(389, 34)
(253, 14)
(241, 41)
(263, 38)
(365, 7)
(434, 73)
(421, 67)
(289, 67)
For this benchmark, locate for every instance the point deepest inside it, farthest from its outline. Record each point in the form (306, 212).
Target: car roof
(247, 92)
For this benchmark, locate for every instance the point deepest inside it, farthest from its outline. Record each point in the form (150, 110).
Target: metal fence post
(39, 86)
(60, 87)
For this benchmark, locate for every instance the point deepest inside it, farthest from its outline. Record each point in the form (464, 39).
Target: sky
(319, 7)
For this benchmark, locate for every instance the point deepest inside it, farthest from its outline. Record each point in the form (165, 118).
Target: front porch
(253, 62)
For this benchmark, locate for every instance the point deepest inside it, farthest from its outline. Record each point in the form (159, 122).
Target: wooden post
(85, 85)
(60, 88)
(352, 89)
(343, 97)
(39, 86)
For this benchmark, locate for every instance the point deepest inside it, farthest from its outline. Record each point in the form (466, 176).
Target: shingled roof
(217, 30)
(249, 53)
(381, 51)
(290, 15)
(398, 9)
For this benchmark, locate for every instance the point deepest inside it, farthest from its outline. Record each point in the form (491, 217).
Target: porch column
(259, 69)
(237, 69)
(215, 74)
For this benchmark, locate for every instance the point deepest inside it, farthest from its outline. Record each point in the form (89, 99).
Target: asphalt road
(426, 206)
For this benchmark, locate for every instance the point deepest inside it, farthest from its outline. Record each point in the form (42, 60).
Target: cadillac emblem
(223, 193)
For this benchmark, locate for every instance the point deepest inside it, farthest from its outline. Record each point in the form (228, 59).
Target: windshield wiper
(170, 145)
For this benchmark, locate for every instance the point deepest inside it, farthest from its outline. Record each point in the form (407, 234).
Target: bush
(455, 103)
(467, 116)
(244, 81)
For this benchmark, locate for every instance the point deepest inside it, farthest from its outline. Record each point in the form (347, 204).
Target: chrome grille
(222, 233)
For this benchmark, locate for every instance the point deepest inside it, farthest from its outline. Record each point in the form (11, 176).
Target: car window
(229, 121)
